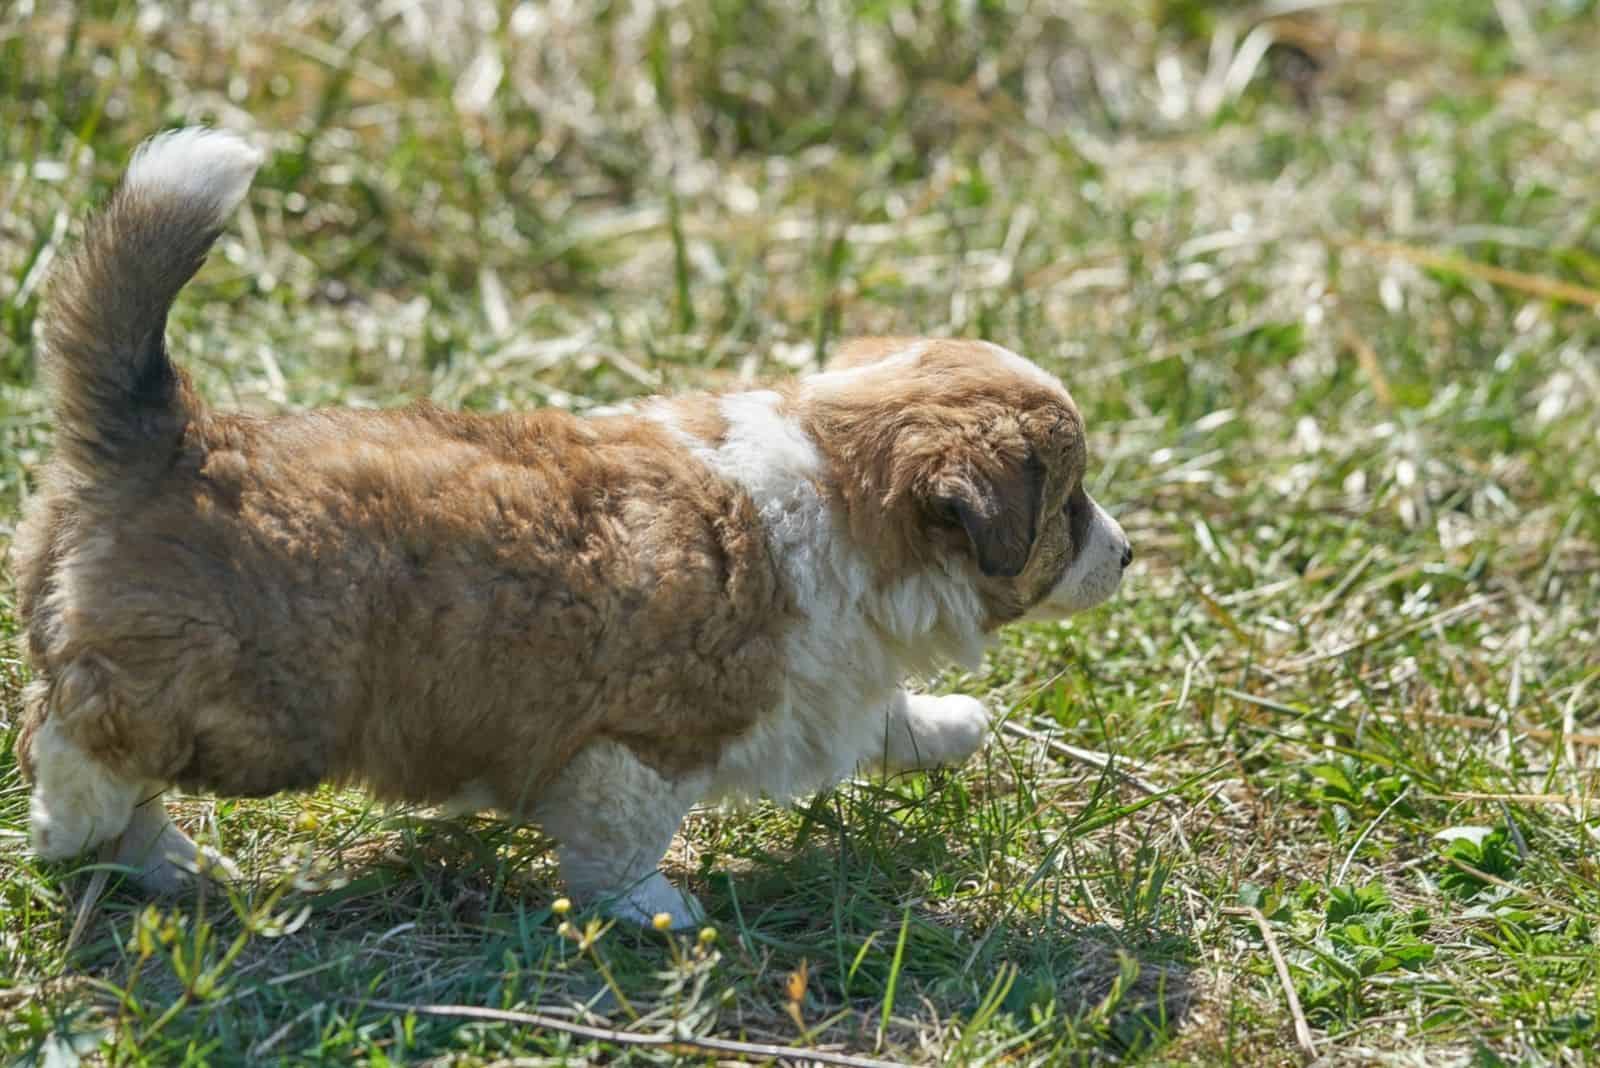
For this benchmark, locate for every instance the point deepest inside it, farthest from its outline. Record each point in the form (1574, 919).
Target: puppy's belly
(259, 755)
(236, 753)
(487, 733)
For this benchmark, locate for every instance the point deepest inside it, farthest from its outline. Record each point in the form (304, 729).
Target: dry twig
(1302, 1030)
(1090, 758)
(629, 1038)
(91, 895)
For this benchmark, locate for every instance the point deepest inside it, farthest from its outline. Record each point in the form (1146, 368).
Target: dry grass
(1322, 277)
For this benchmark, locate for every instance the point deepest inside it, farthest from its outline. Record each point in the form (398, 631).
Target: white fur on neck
(855, 641)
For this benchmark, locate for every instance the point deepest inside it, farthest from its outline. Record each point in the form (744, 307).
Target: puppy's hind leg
(613, 817)
(77, 802)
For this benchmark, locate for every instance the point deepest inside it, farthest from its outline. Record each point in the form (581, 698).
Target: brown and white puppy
(591, 623)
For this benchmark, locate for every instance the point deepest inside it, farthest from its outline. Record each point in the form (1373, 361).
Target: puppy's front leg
(163, 858)
(613, 817)
(921, 731)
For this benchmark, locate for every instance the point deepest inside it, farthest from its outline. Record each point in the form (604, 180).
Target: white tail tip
(210, 169)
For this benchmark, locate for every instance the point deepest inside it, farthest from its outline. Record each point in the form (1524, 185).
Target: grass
(1328, 307)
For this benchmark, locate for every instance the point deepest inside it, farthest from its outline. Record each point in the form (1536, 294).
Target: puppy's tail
(121, 406)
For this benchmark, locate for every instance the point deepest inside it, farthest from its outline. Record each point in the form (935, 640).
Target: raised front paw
(957, 723)
(928, 732)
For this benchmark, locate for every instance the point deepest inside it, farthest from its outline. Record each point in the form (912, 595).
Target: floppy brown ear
(999, 511)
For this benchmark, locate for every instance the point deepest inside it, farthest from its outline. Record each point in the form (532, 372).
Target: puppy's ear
(997, 504)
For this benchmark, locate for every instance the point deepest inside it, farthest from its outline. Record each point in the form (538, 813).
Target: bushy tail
(121, 407)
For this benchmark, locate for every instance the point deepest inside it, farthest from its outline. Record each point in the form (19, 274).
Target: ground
(1323, 278)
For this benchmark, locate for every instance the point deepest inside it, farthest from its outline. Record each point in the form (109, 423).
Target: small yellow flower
(708, 935)
(561, 907)
(662, 921)
(565, 930)
(307, 821)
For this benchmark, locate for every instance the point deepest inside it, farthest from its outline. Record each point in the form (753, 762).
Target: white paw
(963, 726)
(163, 878)
(931, 732)
(654, 894)
(949, 729)
(166, 876)
(164, 860)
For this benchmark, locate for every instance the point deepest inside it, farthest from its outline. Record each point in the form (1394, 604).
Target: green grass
(1332, 326)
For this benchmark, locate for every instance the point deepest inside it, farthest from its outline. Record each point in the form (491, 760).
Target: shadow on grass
(871, 934)
(877, 890)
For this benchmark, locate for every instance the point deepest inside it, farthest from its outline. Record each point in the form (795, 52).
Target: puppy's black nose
(1127, 556)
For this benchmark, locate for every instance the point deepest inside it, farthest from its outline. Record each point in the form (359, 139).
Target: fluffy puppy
(590, 623)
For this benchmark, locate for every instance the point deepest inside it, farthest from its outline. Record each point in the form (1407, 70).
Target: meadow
(1318, 785)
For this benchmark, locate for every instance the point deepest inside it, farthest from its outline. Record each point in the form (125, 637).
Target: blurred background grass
(1322, 276)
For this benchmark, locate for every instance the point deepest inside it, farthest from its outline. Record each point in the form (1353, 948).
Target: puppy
(589, 623)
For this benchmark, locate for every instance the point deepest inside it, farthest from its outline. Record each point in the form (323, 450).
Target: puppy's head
(965, 454)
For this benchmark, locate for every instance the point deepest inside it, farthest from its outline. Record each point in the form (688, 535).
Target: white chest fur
(856, 637)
